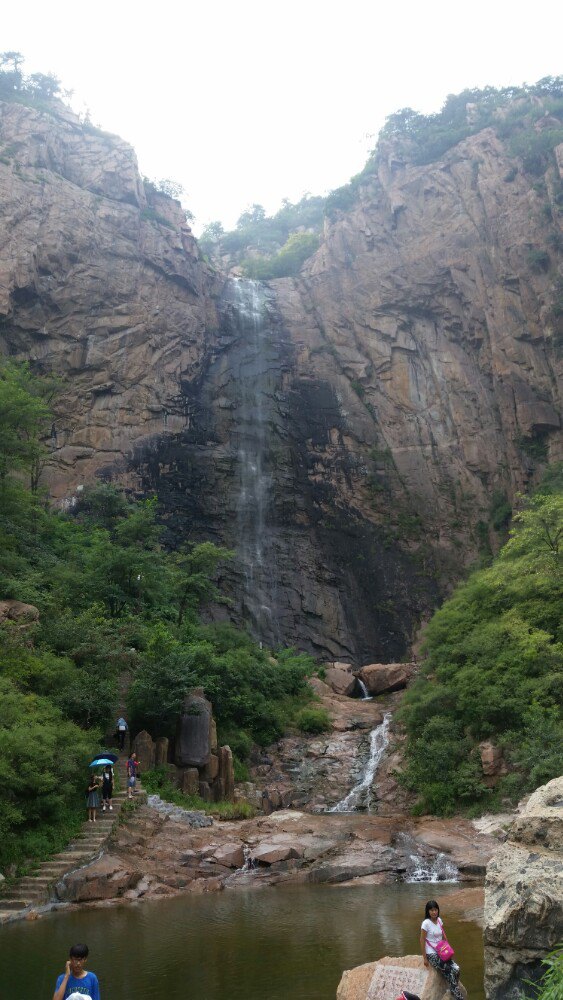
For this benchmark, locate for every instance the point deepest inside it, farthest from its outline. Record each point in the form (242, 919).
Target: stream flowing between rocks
(276, 943)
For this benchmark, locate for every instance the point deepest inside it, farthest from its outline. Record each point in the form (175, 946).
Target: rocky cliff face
(100, 281)
(344, 431)
(426, 310)
(524, 896)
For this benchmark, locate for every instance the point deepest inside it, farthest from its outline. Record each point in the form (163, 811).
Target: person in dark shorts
(107, 787)
(132, 765)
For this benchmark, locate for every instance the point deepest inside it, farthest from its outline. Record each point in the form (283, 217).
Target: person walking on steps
(93, 799)
(107, 788)
(122, 729)
(132, 765)
(431, 934)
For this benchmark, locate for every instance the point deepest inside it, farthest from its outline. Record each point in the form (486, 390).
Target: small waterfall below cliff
(425, 865)
(256, 376)
(360, 796)
(365, 695)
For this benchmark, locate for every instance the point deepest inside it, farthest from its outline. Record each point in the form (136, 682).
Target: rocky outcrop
(524, 895)
(18, 612)
(344, 431)
(101, 281)
(106, 878)
(388, 977)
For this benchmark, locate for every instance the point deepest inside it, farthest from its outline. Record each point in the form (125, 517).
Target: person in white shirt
(432, 931)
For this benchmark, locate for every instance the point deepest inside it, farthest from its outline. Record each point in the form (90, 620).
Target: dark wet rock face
(255, 471)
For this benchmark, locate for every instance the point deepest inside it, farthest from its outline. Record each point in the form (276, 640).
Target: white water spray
(360, 796)
(366, 696)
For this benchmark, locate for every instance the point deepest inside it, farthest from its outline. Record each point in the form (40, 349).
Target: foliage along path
(27, 894)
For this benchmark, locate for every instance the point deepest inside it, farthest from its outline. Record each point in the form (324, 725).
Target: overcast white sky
(251, 101)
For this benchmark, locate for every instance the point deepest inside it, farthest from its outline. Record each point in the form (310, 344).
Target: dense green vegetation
(279, 244)
(494, 670)
(550, 986)
(111, 600)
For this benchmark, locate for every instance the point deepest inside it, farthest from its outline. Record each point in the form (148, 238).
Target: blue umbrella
(100, 761)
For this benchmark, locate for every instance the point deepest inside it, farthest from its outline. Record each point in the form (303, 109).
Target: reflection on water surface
(283, 943)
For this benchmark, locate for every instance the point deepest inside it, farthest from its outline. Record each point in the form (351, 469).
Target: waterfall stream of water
(360, 796)
(366, 696)
(256, 377)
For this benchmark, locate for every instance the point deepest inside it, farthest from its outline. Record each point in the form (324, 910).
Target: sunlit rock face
(100, 281)
(343, 432)
(424, 311)
(524, 895)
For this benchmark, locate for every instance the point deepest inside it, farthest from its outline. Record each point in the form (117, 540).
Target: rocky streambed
(163, 850)
(155, 854)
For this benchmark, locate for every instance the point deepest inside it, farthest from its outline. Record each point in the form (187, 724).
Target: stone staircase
(33, 891)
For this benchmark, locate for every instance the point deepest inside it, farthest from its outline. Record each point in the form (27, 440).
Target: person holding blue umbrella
(107, 787)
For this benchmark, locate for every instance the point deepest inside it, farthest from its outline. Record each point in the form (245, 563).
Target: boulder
(194, 731)
(387, 978)
(105, 878)
(270, 854)
(380, 677)
(17, 611)
(230, 855)
(340, 679)
(161, 751)
(226, 775)
(188, 780)
(493, 763)
(524, 895)
(211, 769)
(143, 746)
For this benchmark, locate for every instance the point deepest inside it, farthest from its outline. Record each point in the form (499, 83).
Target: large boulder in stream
(106, 878)
(340, 679)
(387, 978)
(380, 677)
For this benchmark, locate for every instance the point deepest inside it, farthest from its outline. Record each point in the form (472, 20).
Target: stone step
(53, 866)
(34, 880)
(14, 904)
(71, 856)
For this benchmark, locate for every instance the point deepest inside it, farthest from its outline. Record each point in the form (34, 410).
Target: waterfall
(256, 377)
(366, 696)
(424, 866)
(360, 796)
(438, 869)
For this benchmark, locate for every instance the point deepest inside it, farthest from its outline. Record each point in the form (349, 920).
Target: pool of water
(273, 943)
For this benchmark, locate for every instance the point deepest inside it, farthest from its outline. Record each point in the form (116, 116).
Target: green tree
(24, 418)
(195, 567)
(253, 215)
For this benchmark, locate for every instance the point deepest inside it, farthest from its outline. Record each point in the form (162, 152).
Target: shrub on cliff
(313, 720)
(494, 670)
